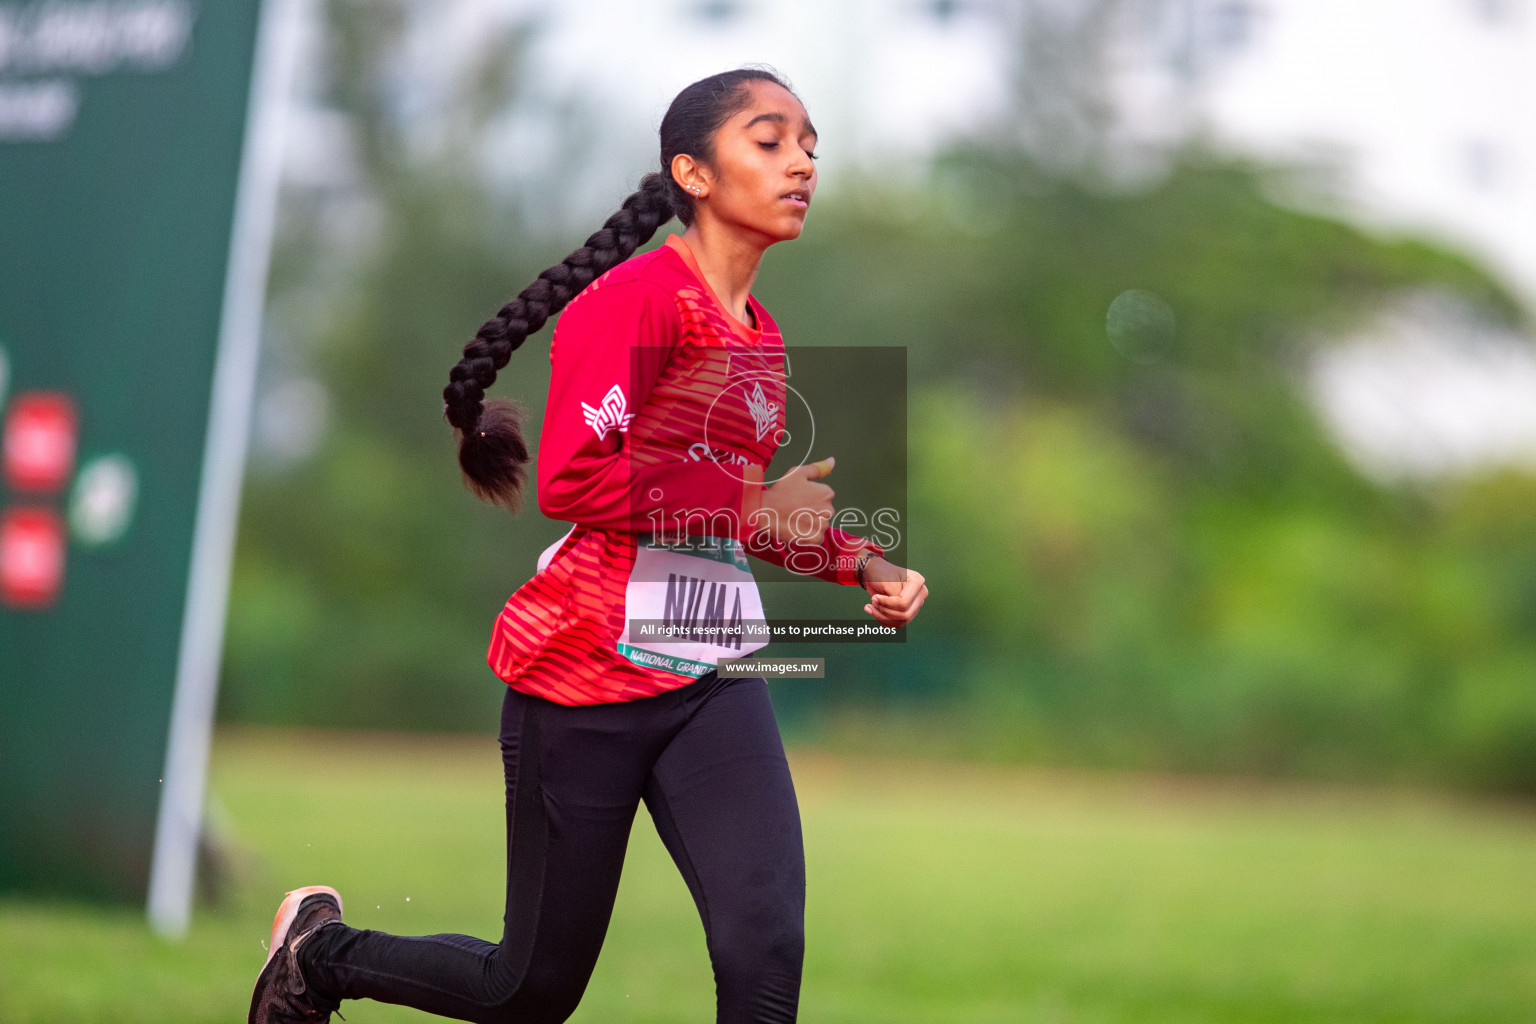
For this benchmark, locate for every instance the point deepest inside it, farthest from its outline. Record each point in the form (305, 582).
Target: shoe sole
(282, 923)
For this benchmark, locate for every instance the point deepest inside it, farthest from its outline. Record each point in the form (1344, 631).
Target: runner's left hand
(895, 593)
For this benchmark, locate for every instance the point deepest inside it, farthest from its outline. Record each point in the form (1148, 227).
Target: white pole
(174, 862)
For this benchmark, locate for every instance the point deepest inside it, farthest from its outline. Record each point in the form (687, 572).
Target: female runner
(665, 404)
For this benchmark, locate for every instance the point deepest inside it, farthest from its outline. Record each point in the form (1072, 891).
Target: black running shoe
(281, 996)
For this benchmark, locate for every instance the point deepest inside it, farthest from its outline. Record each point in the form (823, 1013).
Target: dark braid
(492, 452)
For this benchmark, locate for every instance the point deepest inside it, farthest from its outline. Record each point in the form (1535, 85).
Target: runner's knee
(758, 947)
(538, 1000)
(757, 974)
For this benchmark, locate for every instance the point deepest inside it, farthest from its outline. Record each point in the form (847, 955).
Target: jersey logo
(699, 451)
(609, 415)
(762, 410)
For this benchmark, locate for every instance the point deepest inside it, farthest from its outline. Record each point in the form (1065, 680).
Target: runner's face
(763, 175)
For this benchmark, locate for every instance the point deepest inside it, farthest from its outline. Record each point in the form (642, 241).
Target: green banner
(122, 129)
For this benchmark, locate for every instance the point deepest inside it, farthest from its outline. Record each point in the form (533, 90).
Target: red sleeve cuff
(845, 549)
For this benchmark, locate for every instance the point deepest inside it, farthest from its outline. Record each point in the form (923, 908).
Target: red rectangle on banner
(32, 542)
(40, 441)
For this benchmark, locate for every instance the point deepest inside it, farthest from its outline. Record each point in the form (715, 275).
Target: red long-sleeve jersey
(663, 412)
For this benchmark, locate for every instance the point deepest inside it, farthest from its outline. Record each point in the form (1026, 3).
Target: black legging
(709, 764)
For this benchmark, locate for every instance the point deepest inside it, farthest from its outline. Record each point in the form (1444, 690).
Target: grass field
(939, 894)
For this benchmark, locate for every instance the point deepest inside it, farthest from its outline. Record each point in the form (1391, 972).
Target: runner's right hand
(797, 507)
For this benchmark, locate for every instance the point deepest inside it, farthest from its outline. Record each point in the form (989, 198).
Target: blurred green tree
(1146, 548)
(366, 578)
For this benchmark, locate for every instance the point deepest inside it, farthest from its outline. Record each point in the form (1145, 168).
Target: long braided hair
(492, 451)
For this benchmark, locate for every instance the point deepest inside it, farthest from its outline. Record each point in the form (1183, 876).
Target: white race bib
(689, 604)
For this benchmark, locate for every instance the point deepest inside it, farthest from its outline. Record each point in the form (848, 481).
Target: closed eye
(775, 145)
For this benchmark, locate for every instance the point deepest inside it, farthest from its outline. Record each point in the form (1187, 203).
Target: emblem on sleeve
(609, 415)
(762, 410)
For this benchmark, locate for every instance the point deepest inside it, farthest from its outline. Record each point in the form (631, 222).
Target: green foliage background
(1143, 551)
